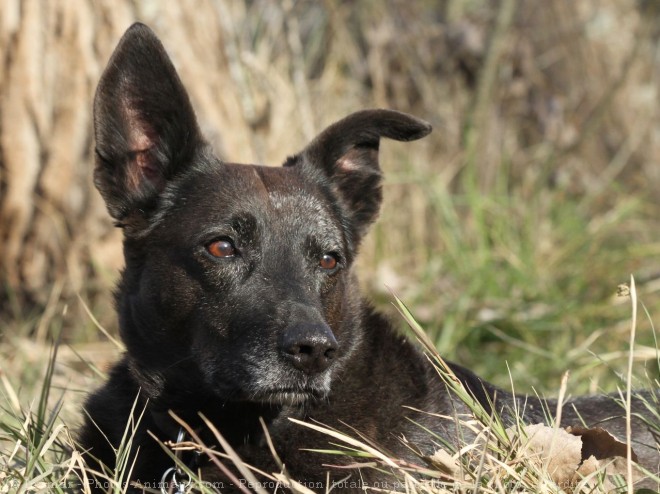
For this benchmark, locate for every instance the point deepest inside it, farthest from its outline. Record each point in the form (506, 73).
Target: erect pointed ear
(345, 156)
(145, 128)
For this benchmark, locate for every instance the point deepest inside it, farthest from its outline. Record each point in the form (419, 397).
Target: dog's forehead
(276, 188)
(275, 194)
(287, 192)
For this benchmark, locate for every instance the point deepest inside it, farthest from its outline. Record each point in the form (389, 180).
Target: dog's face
(237, 277)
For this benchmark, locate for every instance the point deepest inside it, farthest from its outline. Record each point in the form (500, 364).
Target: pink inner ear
(142, 161)
(141, 167)
(357, 159)
(138, 133)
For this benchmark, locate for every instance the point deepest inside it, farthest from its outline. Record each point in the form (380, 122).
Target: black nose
(309, 347)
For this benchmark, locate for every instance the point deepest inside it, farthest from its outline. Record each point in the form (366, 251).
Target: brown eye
(328, 261)
(221, 248)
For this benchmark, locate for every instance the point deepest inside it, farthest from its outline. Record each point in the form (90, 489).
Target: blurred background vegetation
(507, 231)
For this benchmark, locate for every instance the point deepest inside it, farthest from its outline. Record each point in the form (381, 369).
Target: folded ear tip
(399, 126)
(423, 129)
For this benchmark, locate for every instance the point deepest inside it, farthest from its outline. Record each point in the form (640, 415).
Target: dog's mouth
(289, 396)
(270, 385)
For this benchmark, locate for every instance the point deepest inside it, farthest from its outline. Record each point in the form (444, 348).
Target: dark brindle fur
(238, 299)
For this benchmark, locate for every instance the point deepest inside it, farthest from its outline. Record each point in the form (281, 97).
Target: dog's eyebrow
(217, 229)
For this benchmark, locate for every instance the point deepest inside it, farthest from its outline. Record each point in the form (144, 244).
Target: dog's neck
(237, 422)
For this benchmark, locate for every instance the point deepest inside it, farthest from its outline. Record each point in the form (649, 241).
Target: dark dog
(238, 298)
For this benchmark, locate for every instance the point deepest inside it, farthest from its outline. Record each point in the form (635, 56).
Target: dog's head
(237, 277)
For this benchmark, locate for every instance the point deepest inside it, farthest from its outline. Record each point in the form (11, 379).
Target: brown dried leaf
(444, 462)
(607, 466)
(554, 450)
(588, 467)
(599, 443)
(570, 456)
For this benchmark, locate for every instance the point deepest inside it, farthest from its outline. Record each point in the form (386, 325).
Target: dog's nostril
(309, 347)
(299, 349)
(306, 349)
